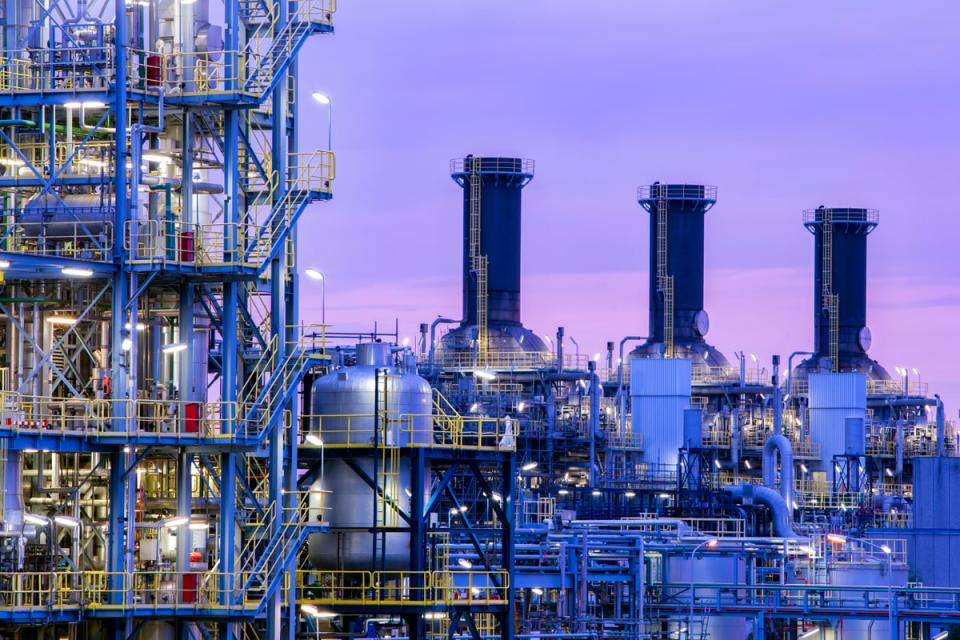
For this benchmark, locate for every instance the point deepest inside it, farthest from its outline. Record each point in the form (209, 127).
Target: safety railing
(861, 551)
(823, 500)
(676, 192)
(58, 69)
(496, 360)
(841, 216)
(348, 431)
(718, 527)
(66, 237)
(402, 588)
(89, 417)
(90, 158)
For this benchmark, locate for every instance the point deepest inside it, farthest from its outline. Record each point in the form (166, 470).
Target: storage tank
(497, 184)
(868, 573)
(343, 405)
(840, 270)
(709, 569)
(678, 243)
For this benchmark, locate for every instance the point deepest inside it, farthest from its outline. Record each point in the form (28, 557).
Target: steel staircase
(664, 281)
(831, 301)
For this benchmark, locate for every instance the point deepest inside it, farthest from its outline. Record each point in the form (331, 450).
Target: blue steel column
(278, 323)
(228, 388)
(119, 510)
(506, 543)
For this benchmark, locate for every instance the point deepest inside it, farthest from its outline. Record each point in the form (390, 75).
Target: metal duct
(782, 520)
(676, 240)
(781, 444)
(12, 490)
(840, 270)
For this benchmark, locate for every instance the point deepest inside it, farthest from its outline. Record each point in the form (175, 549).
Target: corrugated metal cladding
(834, 397)
(659, 395)
(934, 543)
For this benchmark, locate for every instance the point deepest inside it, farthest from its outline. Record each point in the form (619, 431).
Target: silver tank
(45, 215)
(714, 569)
(347, 502)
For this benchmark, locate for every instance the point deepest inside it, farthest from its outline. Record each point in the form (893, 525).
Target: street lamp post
(324, 99)
(316, 274)
(710, 543)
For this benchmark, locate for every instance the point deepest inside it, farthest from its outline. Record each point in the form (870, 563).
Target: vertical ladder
(388, 471)
(831, 301)
(664, 281)
(478, 262)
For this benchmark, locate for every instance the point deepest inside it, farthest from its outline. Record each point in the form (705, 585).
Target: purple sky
(784, 108)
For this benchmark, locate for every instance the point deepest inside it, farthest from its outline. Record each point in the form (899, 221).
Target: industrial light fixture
(64, 521)
(325, 615)
(309, 609)
(886, 549)
(73, 104)
(803, 468)
(175, 522)
(35, 520)
(595, 493)
(746, 463)
(140, 326)
(474, 407)
(76, 272)
(405, 342)
(466, 564)
(156, 157)
(93, 104)
(596, 357)
(630, 494)
(4, 264)
(521, 406)
(321, 98)
(530, 466)
(434, 615)
(537, 591)
(199, 526)
(313, 274)
(716, 463)
(464, 508)
(126, 344)
(314, 439)
(562, 492)
(62, 320)
(663, 496)
(836, 538)
(484, 374)
(496, 497)
(712, 543)
(174, 348)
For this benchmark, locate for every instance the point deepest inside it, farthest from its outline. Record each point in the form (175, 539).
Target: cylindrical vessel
(496, 183)
(835, 398)
(677, 239)
(708, 569)
(840, 243)
(659, 399)
(344, 404)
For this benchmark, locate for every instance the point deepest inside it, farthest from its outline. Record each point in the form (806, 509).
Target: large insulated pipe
(779, 444)
(500, 182)
(681, 237)
(941, 419)
(840, 242)
(782, 520)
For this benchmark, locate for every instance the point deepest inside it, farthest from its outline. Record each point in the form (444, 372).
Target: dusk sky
(783, 106)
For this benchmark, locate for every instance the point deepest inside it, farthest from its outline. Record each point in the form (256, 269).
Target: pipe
(779, 443)
(433, 339)
(777, 398)
(898, 472)
(560, 349)
(621, 396)
(941, 418)
(782, 521)
(594, 419)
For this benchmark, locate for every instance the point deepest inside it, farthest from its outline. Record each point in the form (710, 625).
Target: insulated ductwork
(491, 256)
(678, 321)
(841, 335)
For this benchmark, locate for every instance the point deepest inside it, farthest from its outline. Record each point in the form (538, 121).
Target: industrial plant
(181, 456)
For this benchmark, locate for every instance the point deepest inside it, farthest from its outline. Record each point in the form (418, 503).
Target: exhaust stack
(491, 257)
(841, 335)
(678, 321)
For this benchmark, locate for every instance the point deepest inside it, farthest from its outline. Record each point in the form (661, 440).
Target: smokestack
(676, 272)
(491, 254)
(841, 335)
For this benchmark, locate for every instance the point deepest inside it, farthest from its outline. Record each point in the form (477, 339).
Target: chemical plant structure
(182, 457)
